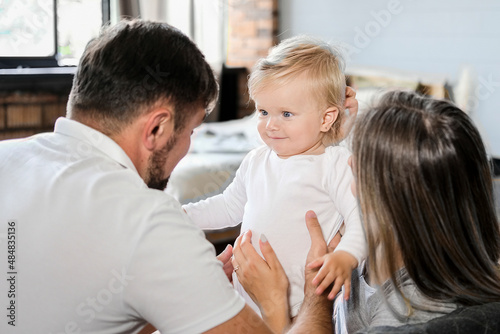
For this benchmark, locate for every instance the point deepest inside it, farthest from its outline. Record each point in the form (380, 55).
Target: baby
(299, 91)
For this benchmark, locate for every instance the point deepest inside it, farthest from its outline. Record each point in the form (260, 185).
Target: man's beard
(156, 165)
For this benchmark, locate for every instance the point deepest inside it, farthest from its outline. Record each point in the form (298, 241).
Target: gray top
(368, 308)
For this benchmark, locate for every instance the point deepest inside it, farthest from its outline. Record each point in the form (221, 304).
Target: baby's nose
(271, 124)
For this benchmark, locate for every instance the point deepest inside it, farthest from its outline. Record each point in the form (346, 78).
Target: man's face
(162, 161)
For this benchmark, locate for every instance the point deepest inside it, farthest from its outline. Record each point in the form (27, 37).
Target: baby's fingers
(336, 288)
(316, 263)
(326, 281)
(347, 288)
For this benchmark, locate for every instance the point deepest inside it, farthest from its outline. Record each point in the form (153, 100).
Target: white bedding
(216, 152)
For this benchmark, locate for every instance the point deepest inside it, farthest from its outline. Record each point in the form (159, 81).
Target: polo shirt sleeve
(175, 282)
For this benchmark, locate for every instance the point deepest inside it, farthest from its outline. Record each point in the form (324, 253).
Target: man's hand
(352, 105)
(318, 245)
(335, 267)
(315, 315)
(225, 258)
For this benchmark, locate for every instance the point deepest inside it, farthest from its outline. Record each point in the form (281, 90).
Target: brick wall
(25, 114)
(253, 27)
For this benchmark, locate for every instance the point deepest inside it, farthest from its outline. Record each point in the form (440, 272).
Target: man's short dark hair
(132, 66)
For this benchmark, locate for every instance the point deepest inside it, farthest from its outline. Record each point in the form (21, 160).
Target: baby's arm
(338, 265)
(223, 210)
(352, 249)
(214, 213)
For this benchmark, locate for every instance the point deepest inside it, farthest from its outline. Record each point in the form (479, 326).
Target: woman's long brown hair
(426, 192)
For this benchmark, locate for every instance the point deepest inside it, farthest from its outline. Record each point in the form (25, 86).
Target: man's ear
(158, 128)
(329, 117)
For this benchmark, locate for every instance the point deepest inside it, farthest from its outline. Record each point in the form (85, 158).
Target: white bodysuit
(271, 196)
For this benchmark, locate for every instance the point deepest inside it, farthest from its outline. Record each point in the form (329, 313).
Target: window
(48, 33)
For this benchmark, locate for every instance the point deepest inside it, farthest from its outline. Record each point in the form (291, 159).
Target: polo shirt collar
(95, 139)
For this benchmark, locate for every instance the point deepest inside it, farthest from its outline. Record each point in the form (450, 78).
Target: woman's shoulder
(423, 307)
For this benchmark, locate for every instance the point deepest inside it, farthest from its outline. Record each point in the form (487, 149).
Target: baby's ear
(329, 117)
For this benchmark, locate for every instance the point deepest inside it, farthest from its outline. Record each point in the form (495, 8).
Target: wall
(23, 114)
(252, 30)
(436, 37)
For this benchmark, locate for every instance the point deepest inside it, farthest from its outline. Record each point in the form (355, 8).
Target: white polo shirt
(86, 247)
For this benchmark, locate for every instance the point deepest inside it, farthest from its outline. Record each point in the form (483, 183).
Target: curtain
(202, 20)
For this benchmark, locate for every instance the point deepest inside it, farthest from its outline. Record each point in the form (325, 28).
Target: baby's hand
(335, 267)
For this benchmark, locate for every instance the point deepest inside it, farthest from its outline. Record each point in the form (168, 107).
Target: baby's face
(290, 120)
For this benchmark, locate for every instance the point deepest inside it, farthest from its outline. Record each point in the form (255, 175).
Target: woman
(425, 191)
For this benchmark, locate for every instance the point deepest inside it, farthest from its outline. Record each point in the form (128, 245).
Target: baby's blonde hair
(323, 65)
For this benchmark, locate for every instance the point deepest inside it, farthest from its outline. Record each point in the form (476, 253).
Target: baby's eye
(287, 114)
(263, 112)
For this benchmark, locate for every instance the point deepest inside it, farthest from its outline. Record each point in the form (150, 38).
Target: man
(88, 244)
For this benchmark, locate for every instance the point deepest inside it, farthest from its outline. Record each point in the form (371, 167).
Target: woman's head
(305, 57)
(425, 191)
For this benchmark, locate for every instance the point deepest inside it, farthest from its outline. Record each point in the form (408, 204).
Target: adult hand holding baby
(351, 104)
(266, 282)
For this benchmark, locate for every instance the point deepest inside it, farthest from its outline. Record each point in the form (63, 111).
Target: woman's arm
(265, 281)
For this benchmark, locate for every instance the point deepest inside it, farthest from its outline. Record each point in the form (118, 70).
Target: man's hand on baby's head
(351, 104)
(336, 268)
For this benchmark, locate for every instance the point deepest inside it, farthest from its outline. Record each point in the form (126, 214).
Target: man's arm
(247, 321)
(315, 315)
(243, 319)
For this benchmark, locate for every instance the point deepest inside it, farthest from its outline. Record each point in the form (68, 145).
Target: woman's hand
(265, 281)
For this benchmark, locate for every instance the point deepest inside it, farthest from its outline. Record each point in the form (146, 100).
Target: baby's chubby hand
(335, 267)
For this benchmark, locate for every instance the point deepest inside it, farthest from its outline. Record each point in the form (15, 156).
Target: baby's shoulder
(258, 153)
(337, 154)
(255, 157)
